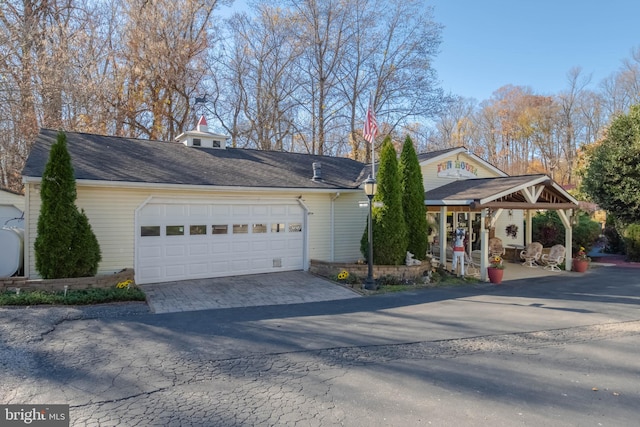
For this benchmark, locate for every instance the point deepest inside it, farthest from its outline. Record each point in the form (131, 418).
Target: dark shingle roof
(107, 158)
(477, 189)
(431, 154)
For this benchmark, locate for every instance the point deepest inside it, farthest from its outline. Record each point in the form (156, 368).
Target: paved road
(554, 352)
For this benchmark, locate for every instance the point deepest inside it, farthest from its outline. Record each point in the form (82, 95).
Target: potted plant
(495, 269)
(581, 261)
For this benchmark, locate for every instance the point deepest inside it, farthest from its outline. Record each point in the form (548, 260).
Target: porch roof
(511, 192)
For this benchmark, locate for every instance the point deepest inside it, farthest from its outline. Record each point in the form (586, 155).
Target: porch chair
(555, 257)
(531, 254)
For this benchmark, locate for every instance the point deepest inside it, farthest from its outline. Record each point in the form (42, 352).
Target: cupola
(201, 137)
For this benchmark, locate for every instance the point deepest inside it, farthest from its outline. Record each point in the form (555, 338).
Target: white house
(195, 208)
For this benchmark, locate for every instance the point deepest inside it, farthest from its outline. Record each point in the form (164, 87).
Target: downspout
(305, 246)
(136, 227)
(26, 246)
(333, 230)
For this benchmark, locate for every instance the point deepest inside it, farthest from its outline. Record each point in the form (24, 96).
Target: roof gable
(434, 157)
(508, 192)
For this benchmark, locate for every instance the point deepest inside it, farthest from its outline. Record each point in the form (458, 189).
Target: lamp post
(370, 187)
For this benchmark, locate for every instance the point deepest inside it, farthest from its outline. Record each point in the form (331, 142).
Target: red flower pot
(580, 265)
(495, 275)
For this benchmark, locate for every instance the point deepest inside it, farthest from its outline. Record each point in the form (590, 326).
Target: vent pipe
(317, 171)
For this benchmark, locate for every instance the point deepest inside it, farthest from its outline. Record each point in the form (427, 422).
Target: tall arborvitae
(415, 214)
(389, 228)
(64, 245)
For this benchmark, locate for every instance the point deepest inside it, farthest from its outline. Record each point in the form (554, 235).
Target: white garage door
(198, 240)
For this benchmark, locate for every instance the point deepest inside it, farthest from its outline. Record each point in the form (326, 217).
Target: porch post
(566, 217)
(443, 236)
(484, 245)
(528, 238)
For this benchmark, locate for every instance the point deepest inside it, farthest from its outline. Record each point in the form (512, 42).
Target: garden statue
(410, 261)
(458, 251)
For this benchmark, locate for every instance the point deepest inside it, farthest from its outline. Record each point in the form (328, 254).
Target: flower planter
(580, 265)
(495, 275)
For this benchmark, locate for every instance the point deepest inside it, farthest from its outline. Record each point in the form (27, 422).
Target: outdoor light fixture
(370, 187)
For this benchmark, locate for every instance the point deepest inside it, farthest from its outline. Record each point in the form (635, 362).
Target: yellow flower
(343, 274)
(124, 284)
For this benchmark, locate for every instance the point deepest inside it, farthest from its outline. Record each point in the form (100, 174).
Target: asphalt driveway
(558, 351)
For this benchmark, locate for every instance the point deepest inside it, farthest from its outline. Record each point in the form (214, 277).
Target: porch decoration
(495, 271)
(512, 231)
(581, 261)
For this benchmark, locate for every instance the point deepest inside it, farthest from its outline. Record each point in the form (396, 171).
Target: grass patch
(73, 297)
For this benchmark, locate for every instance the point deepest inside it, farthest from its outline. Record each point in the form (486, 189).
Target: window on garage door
(195, 230)
(149, 230)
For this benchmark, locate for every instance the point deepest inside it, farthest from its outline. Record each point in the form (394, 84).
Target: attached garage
(178, 240)
(194, 208)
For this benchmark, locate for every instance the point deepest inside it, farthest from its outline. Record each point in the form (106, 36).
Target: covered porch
(476, 205)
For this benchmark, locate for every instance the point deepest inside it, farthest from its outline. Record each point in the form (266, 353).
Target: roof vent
(317, 171)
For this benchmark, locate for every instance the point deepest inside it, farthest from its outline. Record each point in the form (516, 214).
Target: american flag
(370, 125)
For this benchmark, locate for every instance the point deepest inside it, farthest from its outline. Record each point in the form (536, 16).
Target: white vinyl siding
(430, 171)
(319, 225)
(11, 199)
(111, 213)
(350, 221)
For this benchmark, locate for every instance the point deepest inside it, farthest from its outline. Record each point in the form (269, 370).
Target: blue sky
(491, 43)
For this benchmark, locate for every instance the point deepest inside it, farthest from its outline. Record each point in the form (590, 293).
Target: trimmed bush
(632, 242)
(389, 228)
(415, 214)
(65, 245)
(547, 228)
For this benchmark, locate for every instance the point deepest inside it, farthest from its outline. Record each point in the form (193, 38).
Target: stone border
(101, 282)
(402, 272)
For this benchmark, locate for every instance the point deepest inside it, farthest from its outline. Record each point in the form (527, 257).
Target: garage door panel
(268, 245)
(260, 211)
(151, 212)
(198, 211)
(175, 211)
(261, 264)
(172, 251)
(241, 265)
(198, 269)
(260, 245)
(150, 252)
(294, 244)
(220, 268)
(196, 249)
(220, 247)
(278, 244)
(240, 247)
(221, 211)
(241, 211)
(175, 271)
